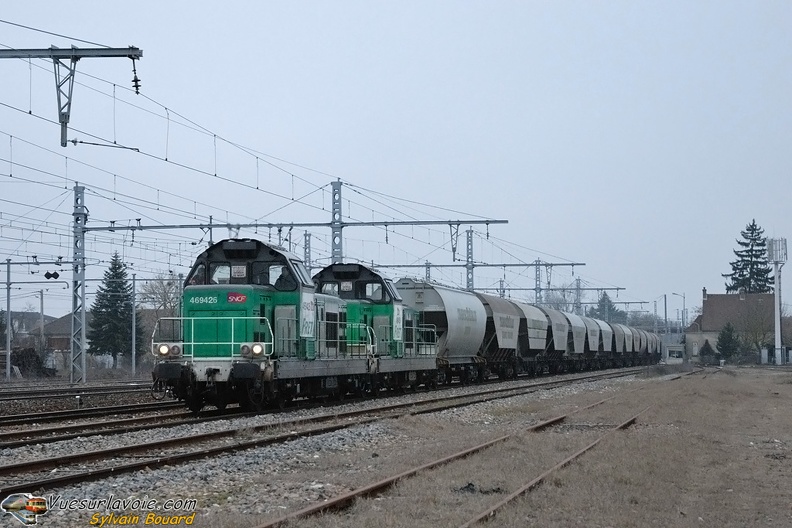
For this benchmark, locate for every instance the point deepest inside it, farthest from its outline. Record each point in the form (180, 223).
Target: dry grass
(712, 451)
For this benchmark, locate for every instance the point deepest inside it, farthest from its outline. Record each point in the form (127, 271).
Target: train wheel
(193, 398)
(158, 389)
(431, 383)
(195, 404)
(256, 398)
(281, 401)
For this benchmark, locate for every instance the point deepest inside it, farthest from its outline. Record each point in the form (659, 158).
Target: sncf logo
(236, 297)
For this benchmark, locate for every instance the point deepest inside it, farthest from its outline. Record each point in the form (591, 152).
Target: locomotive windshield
(374, 291)
(219, 273)
(392, 289)
(280, 274)
(198, 275)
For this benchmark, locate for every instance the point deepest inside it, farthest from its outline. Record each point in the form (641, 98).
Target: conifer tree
(728, 341)
(751, 270)
(110, 331)
(707, 349)
(606, 311)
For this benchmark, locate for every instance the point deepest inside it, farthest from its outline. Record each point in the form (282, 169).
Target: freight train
(256, 329)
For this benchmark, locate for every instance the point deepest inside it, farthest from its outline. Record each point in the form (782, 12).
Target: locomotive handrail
(369, 335)
(423, 342)
(235, 345)
(349, 335)
(372, 340)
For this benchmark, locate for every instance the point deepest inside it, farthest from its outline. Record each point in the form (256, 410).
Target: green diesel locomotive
(257, 330)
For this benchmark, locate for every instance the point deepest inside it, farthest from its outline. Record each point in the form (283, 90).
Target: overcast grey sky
(637, 137)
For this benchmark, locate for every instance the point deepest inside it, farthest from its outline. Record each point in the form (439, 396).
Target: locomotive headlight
(163, 350)
(251, 350)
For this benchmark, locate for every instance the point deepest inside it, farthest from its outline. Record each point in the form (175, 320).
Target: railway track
(345, 500)
(37, 392)
(382, 487)
(59, 470)
(76, 414)
(47, 435)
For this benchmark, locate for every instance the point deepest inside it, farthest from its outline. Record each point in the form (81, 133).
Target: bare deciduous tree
(162, 294)
(756, 325)
(561, 300)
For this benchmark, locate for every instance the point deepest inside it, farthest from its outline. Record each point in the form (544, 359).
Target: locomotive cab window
(330, 288)
(372, 291)
(259, 273)
(283, 277)
(392, 290)
(302, 273)
(219, 273)
(198, 275)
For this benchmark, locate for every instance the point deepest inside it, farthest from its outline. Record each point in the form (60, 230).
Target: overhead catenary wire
(215, 137)
(145, 208)
(246, 149)
(152, 205)
(38, 30)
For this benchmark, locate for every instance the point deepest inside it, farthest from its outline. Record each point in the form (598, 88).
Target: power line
(289, 201)
(245, 149)
(51, 33)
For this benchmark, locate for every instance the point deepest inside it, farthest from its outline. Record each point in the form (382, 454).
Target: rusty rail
(490, 512)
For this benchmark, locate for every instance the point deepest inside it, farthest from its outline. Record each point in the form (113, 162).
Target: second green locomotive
(257, 330)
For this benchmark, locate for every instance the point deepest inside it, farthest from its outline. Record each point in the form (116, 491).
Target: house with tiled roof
(58, 333)
(751, 315)
(26, 328)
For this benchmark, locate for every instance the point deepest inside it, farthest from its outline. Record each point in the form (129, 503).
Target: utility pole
(307, 251)
(684, 311)
(777, 250)
(64, 83)
(41, 323)
(655, 316)
(134, 324)
(8, 320)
